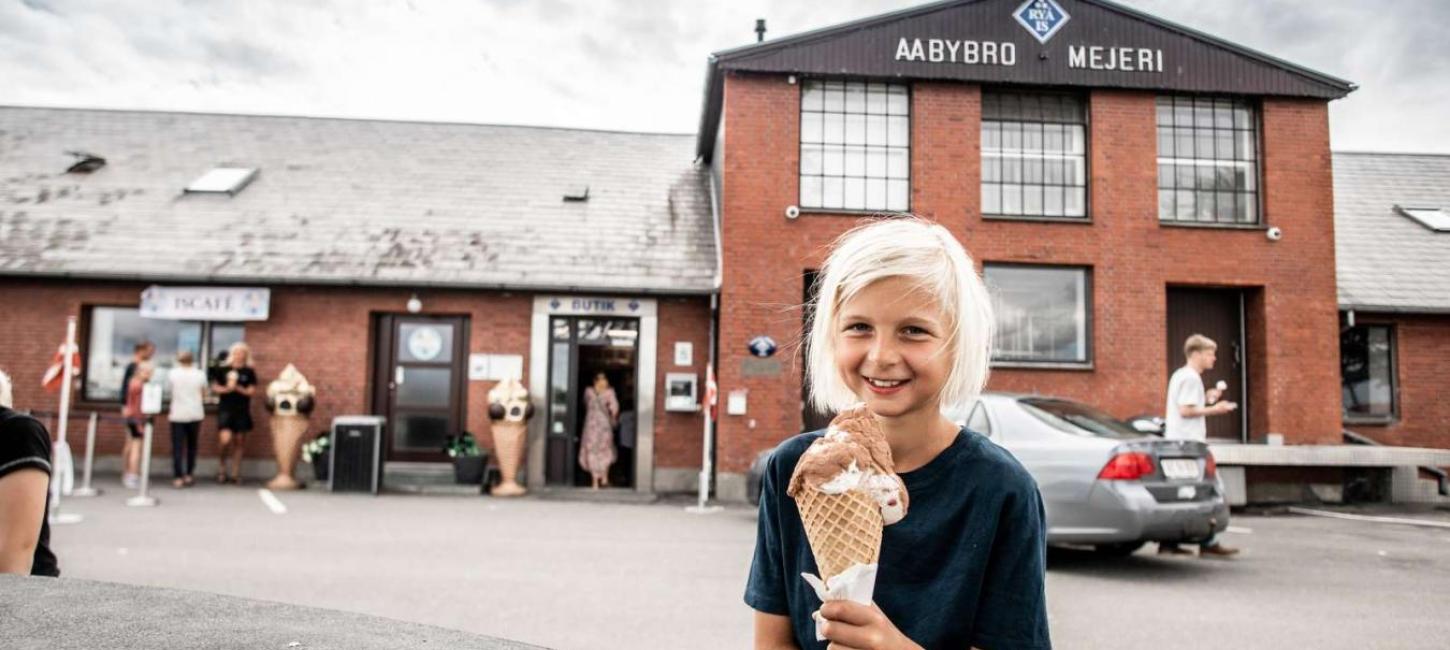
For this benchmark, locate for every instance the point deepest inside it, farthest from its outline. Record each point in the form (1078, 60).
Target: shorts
(136, 426)
(236, 422)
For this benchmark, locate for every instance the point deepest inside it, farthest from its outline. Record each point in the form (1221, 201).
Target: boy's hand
(853, 626)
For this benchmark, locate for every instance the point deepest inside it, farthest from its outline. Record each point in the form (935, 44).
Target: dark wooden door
(1217, 314)
(420, 383)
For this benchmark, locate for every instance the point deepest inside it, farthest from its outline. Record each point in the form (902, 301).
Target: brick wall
(325, 332)
(1290, 283)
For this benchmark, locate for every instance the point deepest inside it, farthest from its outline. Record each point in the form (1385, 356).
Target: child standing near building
(903, 323)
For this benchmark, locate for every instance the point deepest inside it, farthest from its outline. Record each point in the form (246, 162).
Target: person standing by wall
(24, 491)
(237, 383)
(188, 387)
(135, 424)
(1185, 417)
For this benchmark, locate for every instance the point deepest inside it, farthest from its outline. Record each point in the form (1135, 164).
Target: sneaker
(1173, 549)
(131, 481)
(1218, 551)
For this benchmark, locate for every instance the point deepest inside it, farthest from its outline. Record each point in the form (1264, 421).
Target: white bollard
(142, 498)
(85, 490)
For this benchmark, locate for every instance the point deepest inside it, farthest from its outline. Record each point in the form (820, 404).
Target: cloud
(613, 64)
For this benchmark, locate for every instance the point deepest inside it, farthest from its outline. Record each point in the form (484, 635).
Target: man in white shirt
(1186, 411)
(188, 388)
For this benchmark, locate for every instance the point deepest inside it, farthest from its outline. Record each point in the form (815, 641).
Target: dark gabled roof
(339, 201)
(861, 49)
(1385, 261)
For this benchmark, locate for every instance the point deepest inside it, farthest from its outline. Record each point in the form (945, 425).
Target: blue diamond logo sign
(1041, 17)
(762, 346)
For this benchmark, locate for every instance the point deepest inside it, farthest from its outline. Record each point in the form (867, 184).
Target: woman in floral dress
(596, 451)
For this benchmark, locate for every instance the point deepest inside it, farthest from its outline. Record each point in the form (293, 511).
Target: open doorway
(582, 349)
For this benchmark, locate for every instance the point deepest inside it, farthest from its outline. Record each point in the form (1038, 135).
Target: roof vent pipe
(759, 29)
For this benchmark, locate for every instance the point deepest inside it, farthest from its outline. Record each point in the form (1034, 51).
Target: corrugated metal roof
(1387, 261)
(352, 201)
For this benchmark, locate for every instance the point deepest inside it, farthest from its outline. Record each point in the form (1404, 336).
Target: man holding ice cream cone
(1188, 407)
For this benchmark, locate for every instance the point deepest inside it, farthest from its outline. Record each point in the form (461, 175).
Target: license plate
(1180, 468)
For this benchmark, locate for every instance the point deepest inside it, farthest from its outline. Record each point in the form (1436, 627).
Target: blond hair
(238, 347)
(1198, 343)
(908, 247)
(7, 397)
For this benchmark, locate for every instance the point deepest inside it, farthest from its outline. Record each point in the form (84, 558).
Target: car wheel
(1120, 549)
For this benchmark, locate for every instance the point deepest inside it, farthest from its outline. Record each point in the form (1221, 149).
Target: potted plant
(318, 453)
(468, 459)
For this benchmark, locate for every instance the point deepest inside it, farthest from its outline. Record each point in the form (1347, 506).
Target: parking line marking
(1381, 520)
(273, 503)
(1239, 530)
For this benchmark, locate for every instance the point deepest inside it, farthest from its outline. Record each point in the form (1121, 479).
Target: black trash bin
(357, 454)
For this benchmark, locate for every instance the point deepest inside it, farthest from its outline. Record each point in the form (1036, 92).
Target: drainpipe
(707, 451)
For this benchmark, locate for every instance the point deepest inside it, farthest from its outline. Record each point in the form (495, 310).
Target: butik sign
(206, 303)
(1043, 19)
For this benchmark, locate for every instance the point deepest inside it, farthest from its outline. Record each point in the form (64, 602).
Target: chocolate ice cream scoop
(852, 455)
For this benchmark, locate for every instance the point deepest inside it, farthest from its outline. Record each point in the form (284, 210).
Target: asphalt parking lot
(589, 575)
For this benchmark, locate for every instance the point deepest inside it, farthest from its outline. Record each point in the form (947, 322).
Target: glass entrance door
(421, 383)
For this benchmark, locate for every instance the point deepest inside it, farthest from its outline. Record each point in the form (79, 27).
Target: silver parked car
(1103, 482)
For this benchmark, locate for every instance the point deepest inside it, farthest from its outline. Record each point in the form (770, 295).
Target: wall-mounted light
(414, 304)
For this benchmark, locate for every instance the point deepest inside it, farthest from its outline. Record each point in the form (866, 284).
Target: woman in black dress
(235, 383)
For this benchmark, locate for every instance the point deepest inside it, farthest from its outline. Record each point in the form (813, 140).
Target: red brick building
(402, 267)
(1123, 182)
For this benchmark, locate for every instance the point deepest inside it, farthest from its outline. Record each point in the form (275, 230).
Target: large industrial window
(1034, 149)
(1043, 313)
(1366, 371)
(113, 333)
(855, 146)
(1208, 152)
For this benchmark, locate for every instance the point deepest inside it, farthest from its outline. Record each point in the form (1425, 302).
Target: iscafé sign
(1042, 19)
(206, 303)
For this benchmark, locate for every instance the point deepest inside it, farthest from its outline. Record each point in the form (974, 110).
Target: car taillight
(1127, 466)
(1210, 468)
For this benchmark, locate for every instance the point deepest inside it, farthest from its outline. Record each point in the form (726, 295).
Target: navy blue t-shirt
(965, 568)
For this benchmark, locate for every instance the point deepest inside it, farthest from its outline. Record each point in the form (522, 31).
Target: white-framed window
(1208, 160)
(1034, 154)
(112, 334)
(1044, 313)
(855, 145)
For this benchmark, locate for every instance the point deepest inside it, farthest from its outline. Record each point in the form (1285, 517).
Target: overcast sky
(610, 64)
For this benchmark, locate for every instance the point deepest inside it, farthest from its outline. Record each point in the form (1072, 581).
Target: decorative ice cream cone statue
(508, 408)
(290, 399)
(846, 489)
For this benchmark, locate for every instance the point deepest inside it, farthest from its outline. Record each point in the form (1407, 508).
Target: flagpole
(65, 388)
(708, 439)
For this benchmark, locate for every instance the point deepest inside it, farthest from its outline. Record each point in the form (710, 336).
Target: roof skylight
(223, 180)
(1436, 219)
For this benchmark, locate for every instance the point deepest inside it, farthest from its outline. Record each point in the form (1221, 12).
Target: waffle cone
(843, 529)
(508, 443)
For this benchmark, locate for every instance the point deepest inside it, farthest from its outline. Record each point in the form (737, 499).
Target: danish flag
(55, 374)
